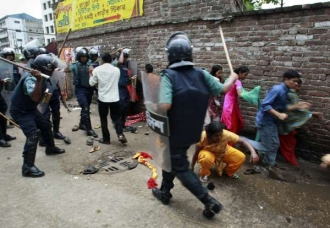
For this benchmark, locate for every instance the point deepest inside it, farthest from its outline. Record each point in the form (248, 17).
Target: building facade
(18, 29)
(48, 20)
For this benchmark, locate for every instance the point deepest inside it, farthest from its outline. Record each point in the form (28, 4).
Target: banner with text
(81, 14)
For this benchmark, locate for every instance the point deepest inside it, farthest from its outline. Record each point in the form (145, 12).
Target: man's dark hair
(213, 127)
(106, 58)
(149, 68)
(291, 74)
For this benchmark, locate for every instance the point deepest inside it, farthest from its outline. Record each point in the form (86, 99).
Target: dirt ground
(65, 197)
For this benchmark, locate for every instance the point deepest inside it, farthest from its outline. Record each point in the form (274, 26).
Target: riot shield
(157, 121)
(7, 83)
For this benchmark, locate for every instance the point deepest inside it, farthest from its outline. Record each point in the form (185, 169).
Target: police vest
(189, 104)
(81, 74)
(22, 102)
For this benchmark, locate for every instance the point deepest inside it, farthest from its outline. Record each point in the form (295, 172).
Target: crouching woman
(213, 149)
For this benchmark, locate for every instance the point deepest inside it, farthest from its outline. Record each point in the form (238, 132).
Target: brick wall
(267, 41)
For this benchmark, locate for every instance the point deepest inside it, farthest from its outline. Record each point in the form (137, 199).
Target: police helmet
(45, 63)
(179, 50)
(126, 52)
(82, 52)
(31, 52)
(8, 51)
(93, 53)
(43, 50)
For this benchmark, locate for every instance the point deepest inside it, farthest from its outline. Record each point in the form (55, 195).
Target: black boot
(82, 120)
(163, 195)
(4, 143)
(51, 149)
(87, 123)
(29, 155)
(212, 207)
(54, 150)
(41, 140)
(56, 127)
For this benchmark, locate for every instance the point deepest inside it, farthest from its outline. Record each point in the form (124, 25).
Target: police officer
(184, 94)
(83, 90)
(53, 107)
(30, 53)
(124, 80)
(26, 96)
(7, 53)
(94, 55)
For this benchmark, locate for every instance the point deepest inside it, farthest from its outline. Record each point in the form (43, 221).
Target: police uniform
(84, 92)
(187, 90)
(25, 113)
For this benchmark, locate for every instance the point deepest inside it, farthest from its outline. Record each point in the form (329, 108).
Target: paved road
(65, 197)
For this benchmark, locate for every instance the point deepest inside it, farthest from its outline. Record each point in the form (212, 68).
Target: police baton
(24, 67)
(226, 50)
(15, 124)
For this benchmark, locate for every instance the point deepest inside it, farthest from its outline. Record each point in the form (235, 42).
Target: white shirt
(107, 78)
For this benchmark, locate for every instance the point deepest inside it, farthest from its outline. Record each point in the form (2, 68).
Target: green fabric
(296, 118)
(253, 96)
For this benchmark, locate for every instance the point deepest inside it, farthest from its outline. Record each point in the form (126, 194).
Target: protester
(271, 112)
(184, 95)
(26, 96)
(231, 113)
(213, 109)
(213, 149)
(287, 128)
(106, 77)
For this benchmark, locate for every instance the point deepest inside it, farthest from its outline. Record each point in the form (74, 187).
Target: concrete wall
(268, 42)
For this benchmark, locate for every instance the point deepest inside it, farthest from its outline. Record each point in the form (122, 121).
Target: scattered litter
(261, 207)
(75, 109)
(97, 127)
(94, 148)
(76, 178)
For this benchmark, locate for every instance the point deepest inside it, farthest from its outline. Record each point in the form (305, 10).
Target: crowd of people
(190, 96)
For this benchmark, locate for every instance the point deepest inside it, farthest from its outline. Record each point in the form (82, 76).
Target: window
(31, 38)
(45, 7)
(48, 41)
(17, 22)
(46, 18)
(48, 4)
(53, 1)
(18, 30)
(19, 40)
(52, 29)
(47, 30)
(30, 30)
(50, 16)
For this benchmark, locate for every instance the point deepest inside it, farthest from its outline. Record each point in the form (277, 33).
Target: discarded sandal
(133, 164)
(251, 171)
(94, 148)
(90, 170)
(75, 128)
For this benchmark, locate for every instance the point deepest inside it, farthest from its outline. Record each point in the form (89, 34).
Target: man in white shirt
(106, 77)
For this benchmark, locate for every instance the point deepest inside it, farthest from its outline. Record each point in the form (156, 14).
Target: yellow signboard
(81, 14)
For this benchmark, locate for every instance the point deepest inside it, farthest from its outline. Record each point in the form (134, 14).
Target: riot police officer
(30, 53)
(53, 107)
(94, 55)
(9, 54)
(185, 90)
(26, 96)
(83, 90)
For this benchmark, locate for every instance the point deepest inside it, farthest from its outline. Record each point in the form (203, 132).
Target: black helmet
(93, 53)
(31, 52)
(8, 51)
(179, 50)
(82, 52)
(43, 51)
(126, 53)
(45, 63)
